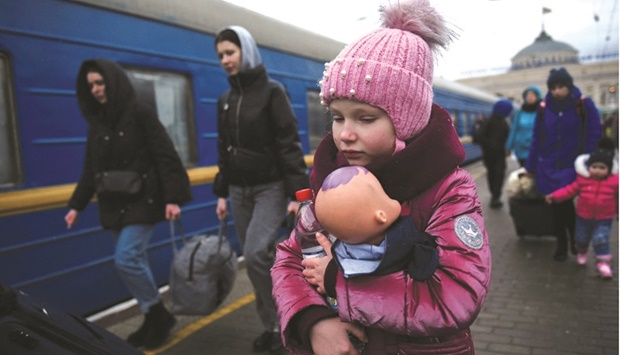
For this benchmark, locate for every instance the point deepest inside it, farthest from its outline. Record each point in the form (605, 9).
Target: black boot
(573, 246)
(136, 339)
(159, 322)
(561, 250)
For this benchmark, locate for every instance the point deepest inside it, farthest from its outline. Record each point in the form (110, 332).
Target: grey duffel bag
(203, 273)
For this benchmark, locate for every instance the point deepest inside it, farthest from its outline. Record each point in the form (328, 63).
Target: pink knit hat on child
(392, 67)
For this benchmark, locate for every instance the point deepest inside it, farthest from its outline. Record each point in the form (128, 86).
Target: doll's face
(353, 207)
(598, 171)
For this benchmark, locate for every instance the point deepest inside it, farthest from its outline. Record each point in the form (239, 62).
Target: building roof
(544, 51)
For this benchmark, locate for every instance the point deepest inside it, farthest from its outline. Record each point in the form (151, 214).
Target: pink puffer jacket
(394, 307)
(598, 199)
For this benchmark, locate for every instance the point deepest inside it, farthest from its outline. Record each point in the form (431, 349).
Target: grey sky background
(490, 32)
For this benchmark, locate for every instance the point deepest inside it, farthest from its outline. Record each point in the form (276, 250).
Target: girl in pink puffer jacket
(597, 188)
(379, 93)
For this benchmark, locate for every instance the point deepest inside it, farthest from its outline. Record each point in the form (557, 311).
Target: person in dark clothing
(493, 140)
(570, 125)
(126, 136)
(260, 163)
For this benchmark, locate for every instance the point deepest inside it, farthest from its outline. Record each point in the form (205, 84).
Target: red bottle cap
(304, 195)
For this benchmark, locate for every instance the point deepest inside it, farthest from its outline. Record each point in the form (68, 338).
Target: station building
(531, 65)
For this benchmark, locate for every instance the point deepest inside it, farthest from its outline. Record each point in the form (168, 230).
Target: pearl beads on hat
(325, 96)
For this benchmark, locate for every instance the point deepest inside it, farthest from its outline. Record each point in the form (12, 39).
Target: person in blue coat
(520, 137)
(569, 125)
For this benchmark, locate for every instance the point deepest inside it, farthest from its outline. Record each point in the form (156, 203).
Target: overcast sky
(490, 32)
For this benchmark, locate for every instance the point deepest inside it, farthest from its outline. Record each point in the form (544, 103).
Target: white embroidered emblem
(468, 232)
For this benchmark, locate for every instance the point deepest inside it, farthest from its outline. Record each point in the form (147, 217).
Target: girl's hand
(331, 336)
(314, 271)
(548, 199)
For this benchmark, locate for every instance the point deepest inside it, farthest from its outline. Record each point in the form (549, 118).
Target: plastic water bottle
(307, 226)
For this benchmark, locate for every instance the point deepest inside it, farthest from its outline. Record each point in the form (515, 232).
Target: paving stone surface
(535, 306)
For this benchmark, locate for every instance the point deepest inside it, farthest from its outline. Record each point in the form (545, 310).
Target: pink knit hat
(392, 67)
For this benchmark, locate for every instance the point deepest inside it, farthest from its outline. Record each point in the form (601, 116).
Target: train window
(466, 124)
(319, 119)
(9, 162)
(169, 94)
(453, 115)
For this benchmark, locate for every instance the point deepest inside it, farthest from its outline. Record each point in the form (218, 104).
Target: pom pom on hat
(559, 77)
(604, 153)
(392, 67)
(502, 108)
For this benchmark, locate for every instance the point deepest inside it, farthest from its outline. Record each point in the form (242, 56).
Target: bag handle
(183, 237)
(222, 232)
(221, 235)
(221, 238)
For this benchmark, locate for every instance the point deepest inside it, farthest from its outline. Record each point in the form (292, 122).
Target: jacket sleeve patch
(468, 232)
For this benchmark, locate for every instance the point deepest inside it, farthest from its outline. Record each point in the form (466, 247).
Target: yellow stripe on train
(46, 198)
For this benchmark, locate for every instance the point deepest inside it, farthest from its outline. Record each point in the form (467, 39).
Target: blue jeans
(259, 211)
(132, 263)
(597, 232)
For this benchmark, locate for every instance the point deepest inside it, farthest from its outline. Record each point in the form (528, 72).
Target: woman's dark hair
(228, 35)
(92, 66)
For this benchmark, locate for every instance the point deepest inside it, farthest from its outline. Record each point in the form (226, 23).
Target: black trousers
(496, 170)
(564, 221)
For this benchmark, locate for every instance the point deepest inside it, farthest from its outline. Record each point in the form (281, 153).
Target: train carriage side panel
(45, 43)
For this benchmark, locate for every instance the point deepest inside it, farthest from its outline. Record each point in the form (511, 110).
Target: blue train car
(167, 49)
(465, 105)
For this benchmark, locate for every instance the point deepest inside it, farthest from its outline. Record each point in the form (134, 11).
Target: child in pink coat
(597, 188)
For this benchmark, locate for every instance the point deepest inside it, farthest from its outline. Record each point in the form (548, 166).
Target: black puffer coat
(258, 141)
(125, 134)
(255, 115)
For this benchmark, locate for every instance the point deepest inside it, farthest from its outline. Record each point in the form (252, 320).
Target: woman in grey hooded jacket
(261, 164)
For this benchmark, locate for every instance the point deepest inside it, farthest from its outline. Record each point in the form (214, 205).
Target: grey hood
(250, 56)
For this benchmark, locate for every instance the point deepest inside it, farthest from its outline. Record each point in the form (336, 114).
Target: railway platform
(535, 305)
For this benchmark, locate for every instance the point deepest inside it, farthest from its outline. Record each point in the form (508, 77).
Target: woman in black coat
(261, 165)
(127, 142)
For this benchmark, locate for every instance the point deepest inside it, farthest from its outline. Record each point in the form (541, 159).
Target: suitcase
(29, 326)
(531, 216)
